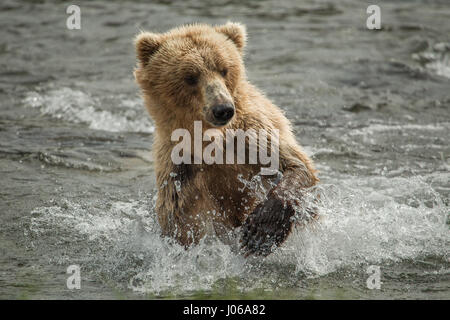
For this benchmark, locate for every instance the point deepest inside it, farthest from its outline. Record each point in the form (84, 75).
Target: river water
(372, 108)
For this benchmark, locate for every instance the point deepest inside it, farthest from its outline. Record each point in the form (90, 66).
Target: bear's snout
(222, 113)
(219, 107)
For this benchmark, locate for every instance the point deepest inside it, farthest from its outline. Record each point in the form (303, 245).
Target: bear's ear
(146, 45)
(236, 32)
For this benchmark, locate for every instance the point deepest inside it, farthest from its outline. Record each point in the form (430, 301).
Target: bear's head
(192, 72)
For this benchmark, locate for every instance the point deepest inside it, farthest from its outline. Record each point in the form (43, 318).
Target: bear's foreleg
(268, 226)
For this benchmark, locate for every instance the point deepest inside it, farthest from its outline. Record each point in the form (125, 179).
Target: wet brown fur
(165, 60)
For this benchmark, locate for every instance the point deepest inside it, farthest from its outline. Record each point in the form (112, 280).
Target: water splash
(371, 220)
(363, 220)
(436, 59)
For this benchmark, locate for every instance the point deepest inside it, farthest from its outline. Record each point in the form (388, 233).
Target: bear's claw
(267, 226)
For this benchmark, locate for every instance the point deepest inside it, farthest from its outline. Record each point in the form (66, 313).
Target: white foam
(375, 128)
(436, 59)
(78, 107)
(442, 68)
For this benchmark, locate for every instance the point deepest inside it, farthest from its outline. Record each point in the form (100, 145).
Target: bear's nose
(223, 112)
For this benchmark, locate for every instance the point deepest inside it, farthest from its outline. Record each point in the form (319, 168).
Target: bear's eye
(191, 79)
(224, 72)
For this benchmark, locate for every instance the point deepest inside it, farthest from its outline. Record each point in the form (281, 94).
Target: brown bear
(196, 73)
